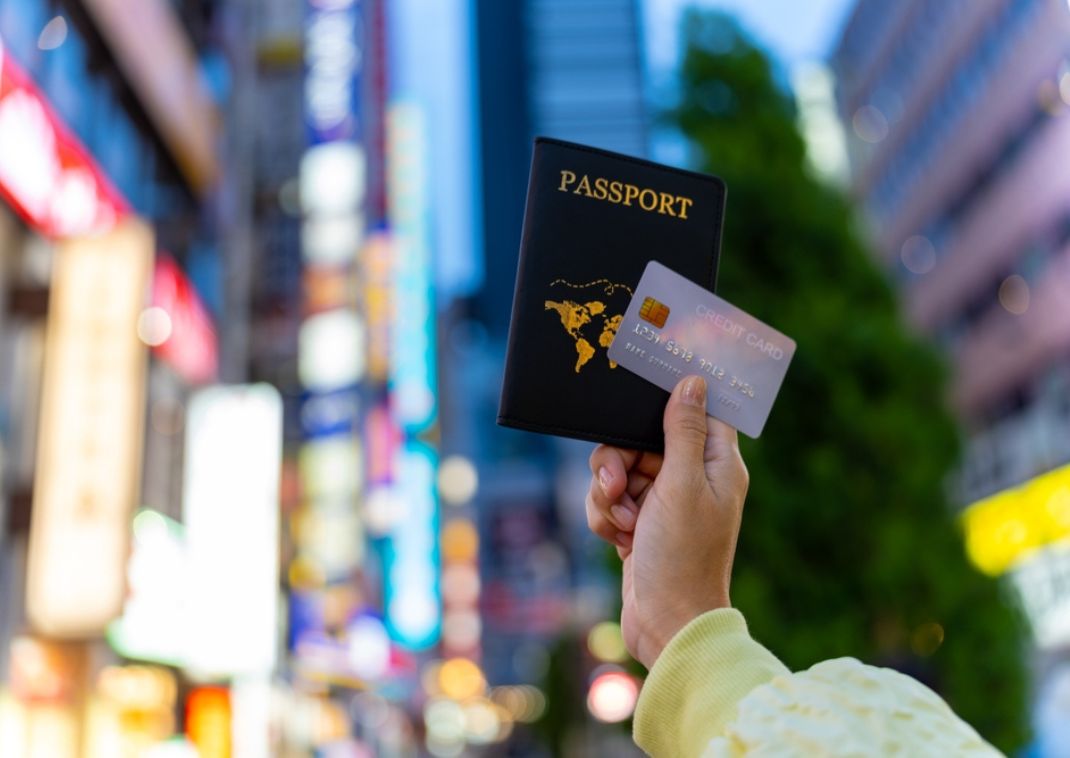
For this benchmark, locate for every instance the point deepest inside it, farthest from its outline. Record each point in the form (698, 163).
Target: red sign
(191, 348)
(45, 172)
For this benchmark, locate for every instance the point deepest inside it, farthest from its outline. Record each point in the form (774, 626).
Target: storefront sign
(1003, 529)
(333, 60)
(45, 173)
(413, 355)
(89, 447)
(191, 348)
(231, 513)
(413, 600)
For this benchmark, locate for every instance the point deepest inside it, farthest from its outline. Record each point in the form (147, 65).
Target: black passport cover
(582, 252)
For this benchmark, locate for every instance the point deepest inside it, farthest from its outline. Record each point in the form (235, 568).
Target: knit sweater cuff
(697, 681)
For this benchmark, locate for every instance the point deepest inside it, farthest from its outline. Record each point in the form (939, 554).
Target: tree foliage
(849, 544)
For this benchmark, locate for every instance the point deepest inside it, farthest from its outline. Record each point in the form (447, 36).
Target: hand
(674, 519)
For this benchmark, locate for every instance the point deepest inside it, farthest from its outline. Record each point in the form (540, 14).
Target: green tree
(849, 545)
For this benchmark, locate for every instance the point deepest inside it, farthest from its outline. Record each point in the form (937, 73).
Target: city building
(957, 113)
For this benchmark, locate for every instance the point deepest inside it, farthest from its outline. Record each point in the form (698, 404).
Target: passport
(593, 221)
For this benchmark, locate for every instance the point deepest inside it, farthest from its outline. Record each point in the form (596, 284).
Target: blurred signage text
(89, 450)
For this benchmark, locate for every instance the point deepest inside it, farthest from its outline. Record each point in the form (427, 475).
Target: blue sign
(413, 600)
(334, 58)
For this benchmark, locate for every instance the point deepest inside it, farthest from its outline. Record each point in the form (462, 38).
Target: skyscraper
(957, 113)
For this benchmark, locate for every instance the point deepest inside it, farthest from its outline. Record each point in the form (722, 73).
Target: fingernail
(604, 478)
(623, 516)
(694, 392)
(624, 539)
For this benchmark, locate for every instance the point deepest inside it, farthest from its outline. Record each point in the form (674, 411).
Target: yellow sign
(89, 446)
(1006, 527)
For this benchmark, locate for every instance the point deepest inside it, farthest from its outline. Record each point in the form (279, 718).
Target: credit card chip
(654, 312)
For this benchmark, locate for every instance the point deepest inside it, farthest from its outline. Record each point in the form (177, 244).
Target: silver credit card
(674, 328)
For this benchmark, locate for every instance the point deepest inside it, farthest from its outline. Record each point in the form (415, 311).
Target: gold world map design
(592, 318)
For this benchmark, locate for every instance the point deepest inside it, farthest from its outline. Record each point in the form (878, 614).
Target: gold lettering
(618, 193)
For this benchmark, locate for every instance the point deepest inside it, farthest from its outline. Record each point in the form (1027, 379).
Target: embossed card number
(673, 328)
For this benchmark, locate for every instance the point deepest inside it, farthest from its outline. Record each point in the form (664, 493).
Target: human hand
(674, 518)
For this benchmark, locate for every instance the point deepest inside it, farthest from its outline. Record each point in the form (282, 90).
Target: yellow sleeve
(714, 691)
(700, 676)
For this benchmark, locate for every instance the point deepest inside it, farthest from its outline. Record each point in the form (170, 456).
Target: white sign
(89, 447)
(231, 513)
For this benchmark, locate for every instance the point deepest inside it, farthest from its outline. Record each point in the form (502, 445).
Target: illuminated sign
(331, 350)
(231, 512)
(413, 355)
(330, 413)
(333, 180)
(209, 721)
(377, 264)
(413, 602)
(152, 626)
(190, 347)
(1008, 526)
(45, 173)
(1040, 579)
(332, 240)
(333, 60)
(89, 447)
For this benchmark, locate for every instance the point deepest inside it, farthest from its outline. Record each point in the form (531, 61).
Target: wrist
(659, 637)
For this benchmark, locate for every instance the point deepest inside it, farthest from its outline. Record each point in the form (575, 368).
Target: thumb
(685, 428)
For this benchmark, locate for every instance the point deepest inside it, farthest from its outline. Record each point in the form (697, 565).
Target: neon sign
(45, 173)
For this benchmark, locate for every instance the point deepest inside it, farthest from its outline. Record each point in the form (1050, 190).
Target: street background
(256, 269)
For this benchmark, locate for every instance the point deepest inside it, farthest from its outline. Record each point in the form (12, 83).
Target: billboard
(231, 512)
(50, 179)
(89, 446)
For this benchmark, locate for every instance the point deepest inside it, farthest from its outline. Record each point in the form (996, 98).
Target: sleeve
(714, 691)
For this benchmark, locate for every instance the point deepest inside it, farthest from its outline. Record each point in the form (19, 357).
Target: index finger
(610, 468)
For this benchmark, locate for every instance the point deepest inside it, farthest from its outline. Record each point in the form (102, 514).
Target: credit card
(674, 328)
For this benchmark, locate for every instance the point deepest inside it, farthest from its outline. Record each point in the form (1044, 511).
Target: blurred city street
(257, 266)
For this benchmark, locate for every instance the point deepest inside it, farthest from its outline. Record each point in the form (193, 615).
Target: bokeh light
(918, 254)
(461, 679)
(154, 326)
(53, 35)
(606, 644)
(612, 696)
(927, 638)
(457, 480)
(870, 124)
(1014, 294)
(460, 541)
(369, 647)
(525, 703)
